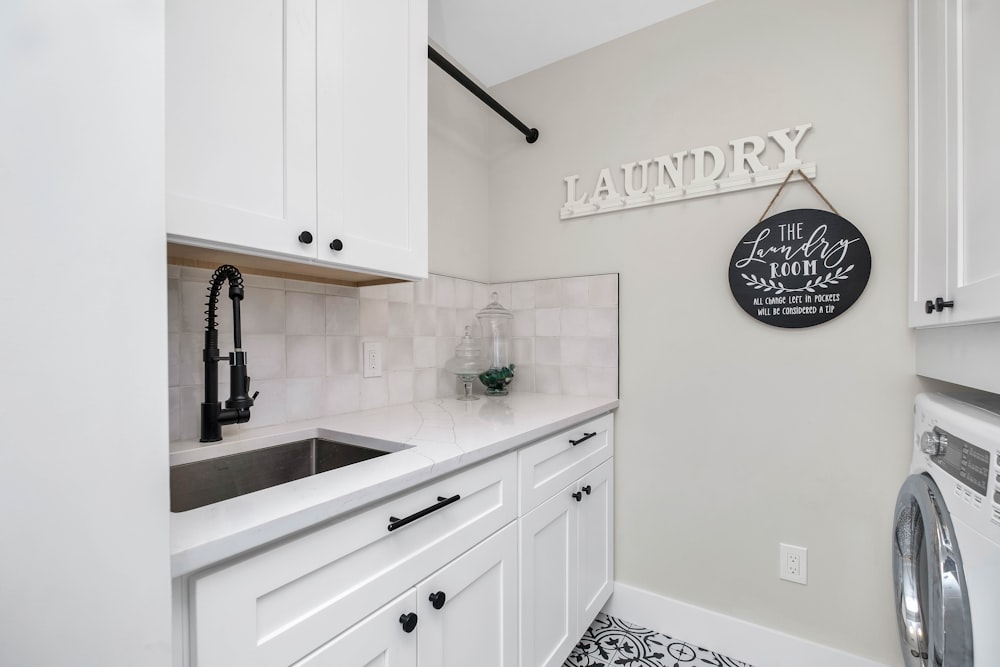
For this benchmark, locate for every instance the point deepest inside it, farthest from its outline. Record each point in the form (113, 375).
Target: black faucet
(237, 410)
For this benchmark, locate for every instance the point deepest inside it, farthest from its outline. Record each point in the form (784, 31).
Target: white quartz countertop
(427, 439)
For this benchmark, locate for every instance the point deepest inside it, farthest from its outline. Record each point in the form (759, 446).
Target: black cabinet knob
(408, 621)
(586, 489)
(578, 496)
(337, 245)
(437, 599)
(305, 237)
(937, 305)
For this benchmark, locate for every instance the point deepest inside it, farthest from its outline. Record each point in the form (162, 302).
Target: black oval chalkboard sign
(799, 268)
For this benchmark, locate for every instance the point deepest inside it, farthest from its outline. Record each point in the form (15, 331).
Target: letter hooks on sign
(785, 182)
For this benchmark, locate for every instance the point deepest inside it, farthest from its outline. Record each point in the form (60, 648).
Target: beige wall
(457, 179)
(734, 436)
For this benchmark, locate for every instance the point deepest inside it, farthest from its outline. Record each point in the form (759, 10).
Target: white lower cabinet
(444, 575)
(465, 614)
(567, 566)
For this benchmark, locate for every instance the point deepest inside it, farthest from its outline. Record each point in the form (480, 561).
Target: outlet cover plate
(792, 563)
(371, 359)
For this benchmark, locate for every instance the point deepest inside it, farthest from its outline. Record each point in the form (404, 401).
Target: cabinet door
(548, 590)
(595, 551)
(372, 134)
(476, 623)
(975, 236)
(241, 124)
(377, 641)
(955, 234)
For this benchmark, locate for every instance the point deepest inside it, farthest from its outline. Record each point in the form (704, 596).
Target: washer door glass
(932, 606)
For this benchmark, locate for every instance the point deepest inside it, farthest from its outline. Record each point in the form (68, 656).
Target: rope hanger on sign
(785, 182)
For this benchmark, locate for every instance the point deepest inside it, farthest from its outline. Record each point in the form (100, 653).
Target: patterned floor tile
(613, 642)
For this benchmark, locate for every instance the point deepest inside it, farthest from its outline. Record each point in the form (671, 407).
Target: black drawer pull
(586, 436)
(395, 523)
(409, 622)
(586, 489)
(437, 599)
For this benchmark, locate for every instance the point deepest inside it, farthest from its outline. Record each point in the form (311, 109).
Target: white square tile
(548, 351)
(573, 322)
(425, 384)
(548, 294)
(191, 363)
(480, 295)
(573, 380)
(269, 407)
(401, 387)
(304, 286)
(173, 272)
(401, 293)
(548, 321)
(448, 384)
(173, 306)
(400, 319)
(574, 351)
(265, 356)
(604, 290)
(261, 282)
(445, 350)
(173, 359)
(190, 399)
(602, 322)
(375, 292)
(603, 353)
(602, 382)
(262, 310)
(343, 394)
(574, 292)
(306, 398)
(195, 274)
(343, 355)
(399, 355)
(547, 379)
(423, 291)
(424, 320)
(524, 323)
(343, 317)
(306, 356)
(446, 319)
(344, 291)
(523, 351)
(524, 378)
(444, 288)
(374, 317)
(374, 393)
(522, 295)
(463, 293)
(174, 398)
(424, 352)
(305, 314)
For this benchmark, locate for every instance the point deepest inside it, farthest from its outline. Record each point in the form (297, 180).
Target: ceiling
(497, 40)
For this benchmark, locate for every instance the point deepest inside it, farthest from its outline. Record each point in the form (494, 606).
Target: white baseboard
(740, 640)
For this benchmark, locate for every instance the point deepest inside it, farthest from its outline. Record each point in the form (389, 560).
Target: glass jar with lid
(467, 363)
(495, 322)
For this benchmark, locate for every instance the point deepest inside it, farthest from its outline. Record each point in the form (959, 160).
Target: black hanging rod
(530, 133)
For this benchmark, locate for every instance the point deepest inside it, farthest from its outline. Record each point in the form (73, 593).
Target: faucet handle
(254, 397)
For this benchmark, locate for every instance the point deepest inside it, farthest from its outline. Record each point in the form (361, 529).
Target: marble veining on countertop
(427, 439)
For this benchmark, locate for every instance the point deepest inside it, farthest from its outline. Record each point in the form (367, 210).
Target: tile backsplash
(303, 341)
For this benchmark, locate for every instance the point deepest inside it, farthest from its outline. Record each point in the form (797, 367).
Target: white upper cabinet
(297, 130)
(955, 138)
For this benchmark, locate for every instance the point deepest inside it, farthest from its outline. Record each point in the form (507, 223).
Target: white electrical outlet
(792, 562)
(371, 359)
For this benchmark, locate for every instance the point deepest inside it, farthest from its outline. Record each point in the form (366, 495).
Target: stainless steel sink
(213, 480)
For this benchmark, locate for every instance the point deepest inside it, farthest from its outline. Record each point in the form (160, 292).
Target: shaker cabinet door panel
(241, 123)
(475, 620)
(596, 541)
(372, 134)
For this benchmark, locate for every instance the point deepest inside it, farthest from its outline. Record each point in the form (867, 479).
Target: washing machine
(946, 535)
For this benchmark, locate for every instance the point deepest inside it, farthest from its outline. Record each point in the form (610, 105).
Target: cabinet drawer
(551, 464)
(274, 607)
